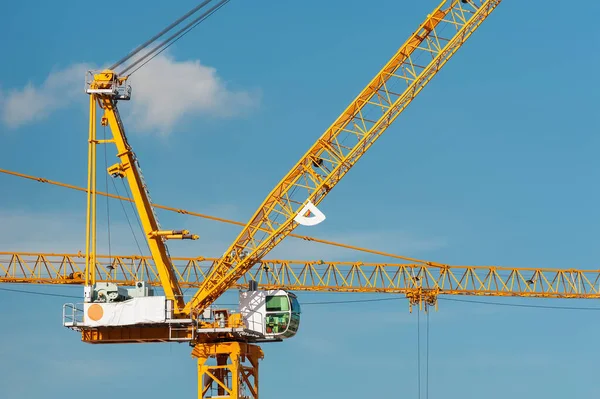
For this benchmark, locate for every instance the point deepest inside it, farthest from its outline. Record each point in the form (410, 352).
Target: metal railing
(72, 315)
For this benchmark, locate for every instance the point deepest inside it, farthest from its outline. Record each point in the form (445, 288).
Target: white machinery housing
(270, 315)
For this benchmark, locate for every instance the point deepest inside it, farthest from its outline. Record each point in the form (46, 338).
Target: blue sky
(494, 163)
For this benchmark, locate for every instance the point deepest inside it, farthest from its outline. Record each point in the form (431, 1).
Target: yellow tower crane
(113, 313)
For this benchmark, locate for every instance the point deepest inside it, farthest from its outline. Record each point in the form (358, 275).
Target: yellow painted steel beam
(102, 92)
(401, 79)
(413, 280)
(135, 334)
(90, 228)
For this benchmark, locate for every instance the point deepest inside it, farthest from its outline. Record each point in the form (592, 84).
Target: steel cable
(159, 34)
(172, 39)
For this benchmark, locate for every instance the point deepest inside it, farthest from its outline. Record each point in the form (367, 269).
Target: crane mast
(346, 140)
(106, 89)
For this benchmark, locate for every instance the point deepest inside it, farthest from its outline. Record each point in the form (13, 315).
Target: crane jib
(346, 140)
(321, 276)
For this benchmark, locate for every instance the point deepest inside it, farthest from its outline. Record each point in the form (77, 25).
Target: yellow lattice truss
(393, 278)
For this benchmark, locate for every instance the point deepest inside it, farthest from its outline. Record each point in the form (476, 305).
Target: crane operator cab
(274, 314)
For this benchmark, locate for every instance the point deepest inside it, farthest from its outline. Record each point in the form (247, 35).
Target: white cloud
(33, 103)
(165, 93)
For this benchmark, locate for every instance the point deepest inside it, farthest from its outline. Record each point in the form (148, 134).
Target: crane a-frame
(114, 314)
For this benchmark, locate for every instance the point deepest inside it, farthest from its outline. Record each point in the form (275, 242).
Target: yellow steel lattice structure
(233, 372)
(410, 279)
(402, 78)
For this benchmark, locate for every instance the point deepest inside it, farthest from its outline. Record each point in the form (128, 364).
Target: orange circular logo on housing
(95, 312)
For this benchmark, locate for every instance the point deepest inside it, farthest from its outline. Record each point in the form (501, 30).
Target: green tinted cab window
(277, 304)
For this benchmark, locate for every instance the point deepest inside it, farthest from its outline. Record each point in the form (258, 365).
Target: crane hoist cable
(107, 202)
(170, 40)
(419, 368)
(427, 355)
(419, 353)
